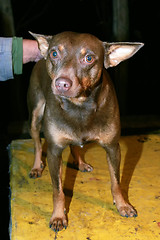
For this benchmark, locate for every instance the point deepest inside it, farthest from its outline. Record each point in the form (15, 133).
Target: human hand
(31, 52)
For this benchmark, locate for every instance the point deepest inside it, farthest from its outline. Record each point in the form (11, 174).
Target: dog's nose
(63, 84)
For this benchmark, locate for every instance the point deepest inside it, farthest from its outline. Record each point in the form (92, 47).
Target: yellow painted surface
(91, 213)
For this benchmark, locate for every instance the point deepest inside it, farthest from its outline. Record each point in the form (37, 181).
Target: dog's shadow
(131, 159)
(71, 174)
(69, 182)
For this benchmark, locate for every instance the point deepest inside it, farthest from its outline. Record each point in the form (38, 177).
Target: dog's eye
(89, 58)
(54, 54)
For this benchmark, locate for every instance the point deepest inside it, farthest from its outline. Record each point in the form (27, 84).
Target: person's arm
(14, 52)
(6, 70)
(31, 52)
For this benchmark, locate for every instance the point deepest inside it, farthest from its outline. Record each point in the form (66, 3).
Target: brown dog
(71, 91)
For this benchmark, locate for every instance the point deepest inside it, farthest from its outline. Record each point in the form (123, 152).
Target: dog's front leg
(58, 220)
(114, 157)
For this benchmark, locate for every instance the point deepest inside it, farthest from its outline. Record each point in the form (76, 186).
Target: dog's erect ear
(118, 52)
(43, 43)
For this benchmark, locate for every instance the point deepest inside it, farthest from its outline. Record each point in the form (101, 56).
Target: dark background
(96, 17)
(138, 94)
(136, 81)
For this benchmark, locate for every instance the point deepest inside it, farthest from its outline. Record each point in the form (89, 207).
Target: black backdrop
(96, 17)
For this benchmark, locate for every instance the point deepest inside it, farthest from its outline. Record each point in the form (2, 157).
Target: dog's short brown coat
(81, 109)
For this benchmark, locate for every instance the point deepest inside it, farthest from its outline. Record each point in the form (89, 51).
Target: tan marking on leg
(35, 133)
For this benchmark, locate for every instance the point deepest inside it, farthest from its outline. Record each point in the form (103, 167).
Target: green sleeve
(17, 55)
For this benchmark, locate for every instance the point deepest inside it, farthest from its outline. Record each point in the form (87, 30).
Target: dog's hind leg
(82, 166)
(35, 122)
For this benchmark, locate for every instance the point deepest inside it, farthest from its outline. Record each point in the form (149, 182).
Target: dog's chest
(67, 134)
(72, 126)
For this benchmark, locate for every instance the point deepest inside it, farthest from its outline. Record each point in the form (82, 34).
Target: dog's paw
(127, 211)
(84, 167)
(58, 223)
(35, 173)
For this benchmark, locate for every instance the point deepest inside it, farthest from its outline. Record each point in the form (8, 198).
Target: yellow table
(91, 213)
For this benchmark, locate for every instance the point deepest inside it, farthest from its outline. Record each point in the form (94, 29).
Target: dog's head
(75, 61)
